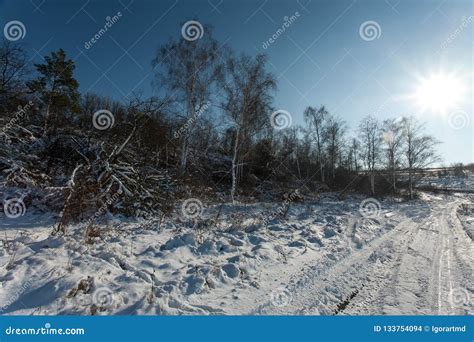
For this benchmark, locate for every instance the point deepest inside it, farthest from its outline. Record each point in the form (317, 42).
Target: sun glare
(439, 92)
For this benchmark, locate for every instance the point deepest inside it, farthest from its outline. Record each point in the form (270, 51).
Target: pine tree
(57, 88)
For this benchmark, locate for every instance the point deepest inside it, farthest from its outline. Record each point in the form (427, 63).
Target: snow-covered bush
(107, 183)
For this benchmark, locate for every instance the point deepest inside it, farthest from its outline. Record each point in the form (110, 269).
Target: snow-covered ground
(449, 181)
(325, 257)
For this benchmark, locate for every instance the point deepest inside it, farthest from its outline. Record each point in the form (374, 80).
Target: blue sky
(321, 57)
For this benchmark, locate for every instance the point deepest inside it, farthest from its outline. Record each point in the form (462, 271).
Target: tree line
(208, 128)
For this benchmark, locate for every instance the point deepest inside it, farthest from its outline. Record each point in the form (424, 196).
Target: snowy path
(422, 266)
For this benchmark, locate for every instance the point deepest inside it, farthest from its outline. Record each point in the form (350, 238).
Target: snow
(324, 258)
(449, 181)
(465, 214)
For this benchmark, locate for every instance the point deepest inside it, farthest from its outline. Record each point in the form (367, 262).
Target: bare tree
(419, 149)
(288, 148)
(354, 152)
(188, 70)
(13, 62)
(316, 119)
(459, 170)
(334, 133)
(247, 88)
(369, 130)
(392, 139)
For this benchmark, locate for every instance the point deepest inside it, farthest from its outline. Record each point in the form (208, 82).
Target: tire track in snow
(415, 278)
(312, 297)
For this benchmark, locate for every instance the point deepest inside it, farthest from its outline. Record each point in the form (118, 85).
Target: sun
(439, 92)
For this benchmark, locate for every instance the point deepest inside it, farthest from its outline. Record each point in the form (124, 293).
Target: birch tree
(316, 118)
(334, 132)
(247, 91)
(187, 69)
(392, 139)
(419, 149)
(370, 137)
(354, 152)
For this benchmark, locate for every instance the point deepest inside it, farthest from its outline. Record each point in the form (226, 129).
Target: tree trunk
(394, 180)
(372, 182)
(392, 171)
(65, 212)
(321, 170)
(46, 121)
(234, 166)
(298, 166)
(47, 115)
(333, 169)
(184, 154)
(410, 183)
